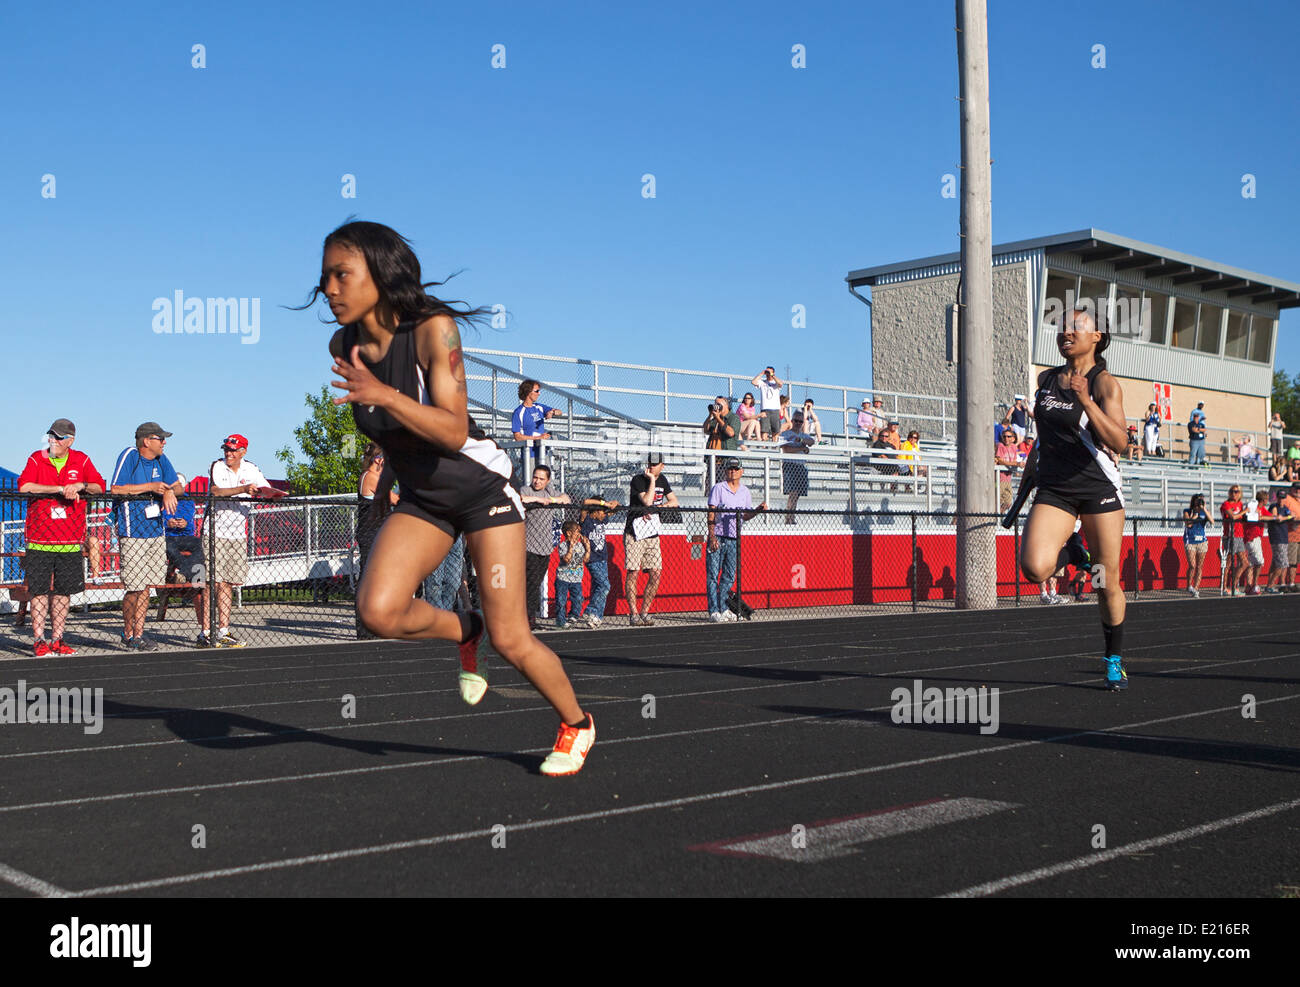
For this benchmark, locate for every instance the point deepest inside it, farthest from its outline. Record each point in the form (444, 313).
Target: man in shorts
(143, 469)
(641, 535)
(1291, 504)
(56, 527)
(231, 476)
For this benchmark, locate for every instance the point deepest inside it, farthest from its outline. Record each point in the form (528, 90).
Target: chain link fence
(104, 574)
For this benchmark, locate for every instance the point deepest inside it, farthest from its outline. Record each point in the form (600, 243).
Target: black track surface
(757, 728)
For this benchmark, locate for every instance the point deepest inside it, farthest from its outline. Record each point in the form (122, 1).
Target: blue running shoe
(1078, 555)
(1115, 675)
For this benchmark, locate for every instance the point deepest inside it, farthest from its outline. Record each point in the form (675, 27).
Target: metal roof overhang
(1127, 256)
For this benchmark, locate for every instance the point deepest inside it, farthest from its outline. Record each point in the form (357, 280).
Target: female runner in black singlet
(1080, 414)
(399, 356)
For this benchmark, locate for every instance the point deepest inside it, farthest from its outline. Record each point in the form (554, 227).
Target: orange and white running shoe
(473, 686)
(571, 747)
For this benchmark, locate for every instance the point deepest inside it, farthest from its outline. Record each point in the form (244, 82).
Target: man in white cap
(56, 528)
(231, 477)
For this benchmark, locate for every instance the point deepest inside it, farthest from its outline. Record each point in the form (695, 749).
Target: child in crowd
(574, 552)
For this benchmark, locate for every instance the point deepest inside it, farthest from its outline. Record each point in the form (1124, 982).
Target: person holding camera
(769, 387)
(721, 428)
(1195, 542)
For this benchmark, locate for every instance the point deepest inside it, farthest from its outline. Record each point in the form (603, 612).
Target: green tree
(332, 445)
(1286, 399)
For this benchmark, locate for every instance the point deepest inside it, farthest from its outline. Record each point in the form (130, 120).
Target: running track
(757, 728)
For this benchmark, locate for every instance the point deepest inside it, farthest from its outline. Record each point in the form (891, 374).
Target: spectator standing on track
(185, 556)
(650, 490)
(769, 389)
(1234, 548)
(1277, 532)
(574, 554)
(236, 478)
(140, 531)
(727, 500)
(1291, 505)
(1252, 529)
(539, 536)
(1196, 436)
(1195, 542)
(593, 523)
(375, 497)
(442, 586)
(55, 530)
(529, 420)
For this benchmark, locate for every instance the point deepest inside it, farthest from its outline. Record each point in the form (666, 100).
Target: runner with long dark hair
(399, 356)
(1080, 413)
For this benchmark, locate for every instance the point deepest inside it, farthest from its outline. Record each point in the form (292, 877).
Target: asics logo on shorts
(502, 509)
(1108, 500)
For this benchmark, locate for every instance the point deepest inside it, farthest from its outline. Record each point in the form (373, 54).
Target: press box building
(1207, 329)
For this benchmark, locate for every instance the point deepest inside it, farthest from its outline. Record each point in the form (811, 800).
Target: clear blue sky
(772, 182)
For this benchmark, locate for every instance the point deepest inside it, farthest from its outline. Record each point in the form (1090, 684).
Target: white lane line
(831, 840)
(429, 762)
(34, 885)
(622, 811)
(334, 727)
(1104, 856)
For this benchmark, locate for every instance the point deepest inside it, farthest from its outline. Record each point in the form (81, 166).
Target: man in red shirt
(56, 528)
(1252, 529)
(1234, 547)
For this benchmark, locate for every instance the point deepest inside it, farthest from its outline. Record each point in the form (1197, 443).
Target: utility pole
(976, 538)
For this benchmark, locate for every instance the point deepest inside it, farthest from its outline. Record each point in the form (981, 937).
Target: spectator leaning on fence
(539, 536)
(726, 500)
(143, 470)
(575, 552)
(1234, 546)
(185, 555)
(650, 490)
(1252, 529)
(233, 477)
(529, 419)
(56, 528)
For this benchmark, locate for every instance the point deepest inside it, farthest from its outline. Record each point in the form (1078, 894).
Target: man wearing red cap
(231, 477)
(56, 527)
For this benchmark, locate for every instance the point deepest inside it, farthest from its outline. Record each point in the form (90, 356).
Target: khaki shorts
(1292, 552)
(231, 562)
(1255, 552)
(644, 554)
(144, 562)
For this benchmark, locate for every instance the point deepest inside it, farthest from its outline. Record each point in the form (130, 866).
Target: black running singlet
(441, 482)
(1070, 454)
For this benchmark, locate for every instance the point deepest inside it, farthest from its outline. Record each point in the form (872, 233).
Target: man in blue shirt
(143, 470)
(529, 422)
(1196, 436)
